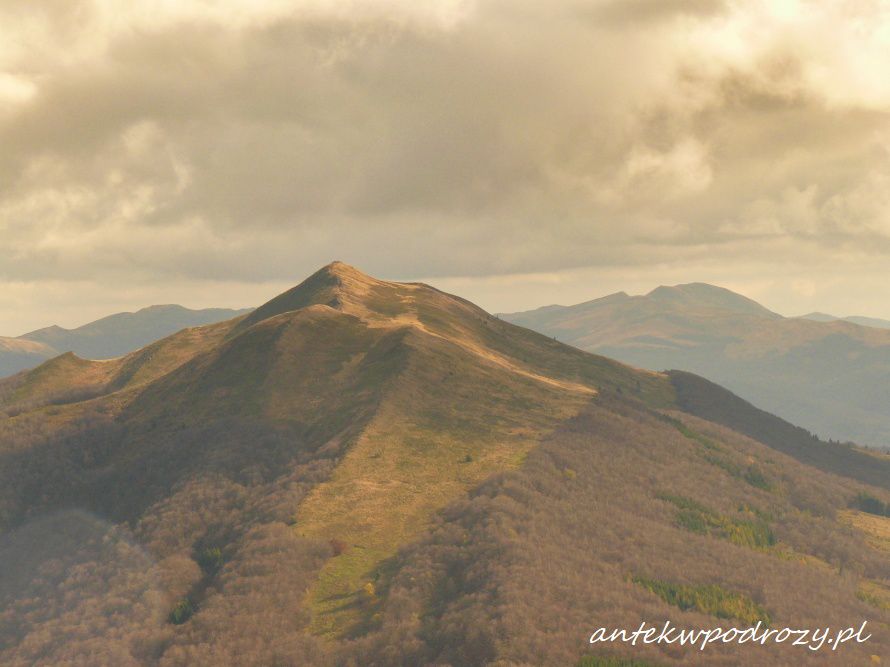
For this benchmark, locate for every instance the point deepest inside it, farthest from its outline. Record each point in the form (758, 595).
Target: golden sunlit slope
(68, 378)
(380, 303)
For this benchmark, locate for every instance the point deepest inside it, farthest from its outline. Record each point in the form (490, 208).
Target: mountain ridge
(703, 294)
(109, 337)
(117, 334)
(873, 322)
(17, 354)
(380, 473)
(829, 376)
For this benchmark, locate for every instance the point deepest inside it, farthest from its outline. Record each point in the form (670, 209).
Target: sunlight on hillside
(418, 456)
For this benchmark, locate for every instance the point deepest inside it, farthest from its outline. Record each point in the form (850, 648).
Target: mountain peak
(819, 317)
(348, 278)
(331, 285)
(163, 308)
(342, 269)
(708, 296)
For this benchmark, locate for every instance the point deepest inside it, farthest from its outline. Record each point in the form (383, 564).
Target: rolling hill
(106, 338)
(830, 376)
(363, 472)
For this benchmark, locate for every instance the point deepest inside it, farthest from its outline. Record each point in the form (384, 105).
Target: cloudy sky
(518, 152)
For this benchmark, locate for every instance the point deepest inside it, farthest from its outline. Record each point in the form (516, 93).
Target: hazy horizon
(517, 153)
(486, 298)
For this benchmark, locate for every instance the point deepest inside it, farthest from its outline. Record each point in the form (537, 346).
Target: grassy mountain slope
(828, 376)
(68, 379)
(366, 472)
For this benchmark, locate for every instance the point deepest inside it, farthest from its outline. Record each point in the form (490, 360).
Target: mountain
(833, 377)
(706, 297)
(121, 333)
(861, 321)
(868, 322)
(17, 354)
(106, 338)
(363, 472)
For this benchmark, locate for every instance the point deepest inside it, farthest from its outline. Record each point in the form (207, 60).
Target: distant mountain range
(106, 338)
(17, 354)
(861, 321)
(364, 472)
(830, 375)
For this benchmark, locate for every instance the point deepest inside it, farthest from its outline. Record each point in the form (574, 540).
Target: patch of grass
(695, 517)
(876, 528)
(182, 612)
(755, 477)
(339, 598)
(687, 432)
(785, 552)
(708, 599)
(389, 300)
(875, 593)
(210, 560)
